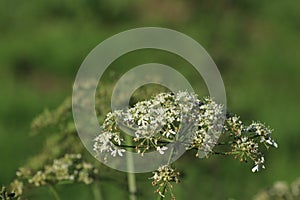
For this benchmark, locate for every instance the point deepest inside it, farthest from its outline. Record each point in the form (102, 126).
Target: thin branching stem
(54, 192)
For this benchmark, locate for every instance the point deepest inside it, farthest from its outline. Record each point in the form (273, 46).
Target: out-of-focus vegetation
(280, 190)
(255, 44)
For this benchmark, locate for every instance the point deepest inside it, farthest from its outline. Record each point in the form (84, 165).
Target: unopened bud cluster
(70, 168)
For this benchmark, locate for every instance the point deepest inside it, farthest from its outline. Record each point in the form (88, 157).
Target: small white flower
(161, 149)
(259, 164)
(169, 132)
(117, 151)
(255, 168)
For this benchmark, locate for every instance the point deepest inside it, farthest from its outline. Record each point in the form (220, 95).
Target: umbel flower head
(163, 177)
(207, 130)
(157, 121)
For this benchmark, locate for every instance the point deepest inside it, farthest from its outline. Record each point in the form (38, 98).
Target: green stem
(171, 155)
(131, 176)
(97, 191)
(132, 186)
(162, 192)
(54, 192)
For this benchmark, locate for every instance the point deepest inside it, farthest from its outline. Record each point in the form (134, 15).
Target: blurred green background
(255, 44)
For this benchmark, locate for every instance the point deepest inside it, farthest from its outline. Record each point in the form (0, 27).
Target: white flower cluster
(246, 140)
(263, 132)
(104, 143)
(234, 126)
(182, 117)
(158, 120)
(209, 125)
(163, 177)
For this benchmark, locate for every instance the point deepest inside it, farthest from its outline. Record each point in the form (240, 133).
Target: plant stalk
(97, 191)
(131, 176)
(162, 192)
(54, 192)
